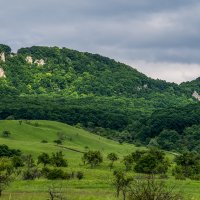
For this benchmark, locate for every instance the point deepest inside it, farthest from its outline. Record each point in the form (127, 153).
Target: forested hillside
(104, 96)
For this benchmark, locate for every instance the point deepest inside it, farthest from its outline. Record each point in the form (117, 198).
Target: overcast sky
(160, 38)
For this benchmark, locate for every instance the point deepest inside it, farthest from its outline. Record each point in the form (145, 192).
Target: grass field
(97, 182)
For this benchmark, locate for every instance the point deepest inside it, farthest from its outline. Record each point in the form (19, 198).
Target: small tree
(128, 162)
(58, 160)
(112, 157)
(28, 159)
(93, 158)
(5, 180)
(58, 142)
(5, 173)
(44, 159)
(56, 193)
(121, 182)
(6, 134)
(17, 162)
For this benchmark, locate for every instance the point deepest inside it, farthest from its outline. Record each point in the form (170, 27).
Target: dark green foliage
(58, 142)
(56, 174)
(79, 175)
(152, 161)
(5, 151)
(17, 162)
(128, 162)
(6, 134)
(44, 141)
(92, 158)
(148, 162)
(188, 166)
(4, 48)
(58, 160)
(31, 174)
(168, 140)
(44, 159)
(112, 157)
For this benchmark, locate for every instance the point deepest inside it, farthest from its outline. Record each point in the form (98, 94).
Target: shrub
(93, 158)
(79, 175)
(5, 151)
(58, 160)
(17, 162)
(57, 174)
(6, 133)
(58, 142)
(31, 174)
(44, 141)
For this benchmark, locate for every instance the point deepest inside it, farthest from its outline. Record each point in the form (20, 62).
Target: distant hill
(95, 92)
(69, 72)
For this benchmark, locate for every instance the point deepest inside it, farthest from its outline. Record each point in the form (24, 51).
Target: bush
(17, 162)
(6, 133)
(45, 171)
(5, 151)
(93, 158)
(79, 175)
(58, 160)
(44, 141)
(58, 141)
(31, 174)
(55, 174)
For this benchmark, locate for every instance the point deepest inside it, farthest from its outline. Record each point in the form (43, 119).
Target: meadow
(97, 182)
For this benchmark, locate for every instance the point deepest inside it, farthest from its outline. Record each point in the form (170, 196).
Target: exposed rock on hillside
(39, 62)
(2, 57)
(196, 95)
(2, 73)
(29, 59)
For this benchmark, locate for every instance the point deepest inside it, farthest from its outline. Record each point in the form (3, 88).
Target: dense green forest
(97, 93)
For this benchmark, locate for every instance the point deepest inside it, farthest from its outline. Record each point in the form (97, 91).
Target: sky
(160, 38)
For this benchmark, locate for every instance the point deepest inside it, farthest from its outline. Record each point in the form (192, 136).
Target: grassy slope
(97, 182)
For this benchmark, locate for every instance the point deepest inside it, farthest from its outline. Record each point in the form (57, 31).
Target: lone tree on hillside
(58, 160)
(6, 133)
(112, 157)
(92, 158)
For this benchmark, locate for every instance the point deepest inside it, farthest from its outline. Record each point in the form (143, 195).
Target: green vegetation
(96, 95)
(82, 180)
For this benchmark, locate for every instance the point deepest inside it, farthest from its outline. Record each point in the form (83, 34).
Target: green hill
(97, 182)
(98, 93)
(28, 136)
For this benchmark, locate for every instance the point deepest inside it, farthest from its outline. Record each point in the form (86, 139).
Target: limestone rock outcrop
(40, 62)
(29, 59)
(2, 73)
(2, 57)
(196, 95)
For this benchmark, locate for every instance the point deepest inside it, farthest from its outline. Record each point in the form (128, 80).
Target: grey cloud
(155, 31)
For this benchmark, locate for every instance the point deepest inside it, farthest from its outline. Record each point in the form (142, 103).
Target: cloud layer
(158, 37)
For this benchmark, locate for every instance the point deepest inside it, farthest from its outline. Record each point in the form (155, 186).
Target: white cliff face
(2, 73)
(196, 95)
(2, 57)
(29, 59)
(40, 62)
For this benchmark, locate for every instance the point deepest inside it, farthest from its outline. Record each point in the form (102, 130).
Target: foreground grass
(97, 183)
